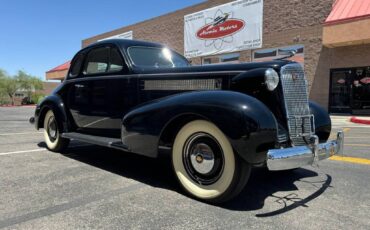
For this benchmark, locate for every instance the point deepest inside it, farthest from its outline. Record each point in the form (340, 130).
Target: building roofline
(345, 20)
(62, 67)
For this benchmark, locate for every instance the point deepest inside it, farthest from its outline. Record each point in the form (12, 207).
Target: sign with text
(126, 35)
(226, 28)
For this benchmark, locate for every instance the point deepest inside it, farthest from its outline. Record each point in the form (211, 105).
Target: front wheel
(52, 134)
(205, 163)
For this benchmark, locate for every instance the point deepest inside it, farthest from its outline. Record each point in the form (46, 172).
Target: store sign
(341, 81)
(365, 80)
(226, 28)
(126, 35)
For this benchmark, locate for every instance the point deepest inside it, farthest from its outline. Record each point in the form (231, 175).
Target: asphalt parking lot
(98, 188)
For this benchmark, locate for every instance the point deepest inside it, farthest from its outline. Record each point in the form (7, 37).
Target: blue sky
(38, 35)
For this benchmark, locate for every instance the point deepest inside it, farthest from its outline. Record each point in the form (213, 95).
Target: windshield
(156, 57)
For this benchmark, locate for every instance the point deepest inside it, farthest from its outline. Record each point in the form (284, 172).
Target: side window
(116, 62)
(76, 65)
(97, 61)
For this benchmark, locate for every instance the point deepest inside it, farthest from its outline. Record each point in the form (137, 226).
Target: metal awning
(59, 72)
(347, 10)
(347, 24)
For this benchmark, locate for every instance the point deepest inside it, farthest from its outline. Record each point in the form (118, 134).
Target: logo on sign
(224, 29)
(220, 29)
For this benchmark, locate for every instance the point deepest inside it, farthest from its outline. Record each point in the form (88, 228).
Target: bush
(40, 99)
(5, 101)
(37, 98)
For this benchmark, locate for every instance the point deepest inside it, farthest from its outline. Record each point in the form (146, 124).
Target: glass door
(340, 91)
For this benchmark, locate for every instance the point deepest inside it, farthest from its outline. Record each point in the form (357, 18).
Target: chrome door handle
(80, 86)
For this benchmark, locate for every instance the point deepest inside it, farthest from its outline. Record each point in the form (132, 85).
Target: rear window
(103, 60)
(97, 61)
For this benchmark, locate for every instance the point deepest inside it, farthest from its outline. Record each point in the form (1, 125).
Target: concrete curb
(360, 121)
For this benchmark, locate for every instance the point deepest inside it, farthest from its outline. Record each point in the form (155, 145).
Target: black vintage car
(216, 122)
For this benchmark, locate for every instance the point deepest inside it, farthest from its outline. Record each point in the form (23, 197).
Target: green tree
(2, 93)
(9, 86)
(20, 82)
(3, 74)
(28, 83)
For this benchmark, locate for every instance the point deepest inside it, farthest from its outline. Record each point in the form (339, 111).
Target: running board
(109, 142)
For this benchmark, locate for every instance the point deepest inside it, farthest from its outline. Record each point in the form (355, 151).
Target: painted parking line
(355, 160)
(23, 151)
(346, 129)
(338, 126)
(11, 134)
(73, 146)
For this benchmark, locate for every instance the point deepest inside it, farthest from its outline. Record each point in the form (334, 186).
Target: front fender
(322, 121)
(55, 103)
(247, 122)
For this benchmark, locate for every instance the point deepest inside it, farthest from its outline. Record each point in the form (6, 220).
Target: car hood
(213, 68)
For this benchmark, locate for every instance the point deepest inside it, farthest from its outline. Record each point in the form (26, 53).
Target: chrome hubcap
(52, 129)
(203, 158)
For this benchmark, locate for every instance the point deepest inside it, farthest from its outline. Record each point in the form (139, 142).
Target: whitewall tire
(205, 163)
(52, 134)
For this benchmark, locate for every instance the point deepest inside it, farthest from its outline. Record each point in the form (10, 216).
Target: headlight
(271, 79)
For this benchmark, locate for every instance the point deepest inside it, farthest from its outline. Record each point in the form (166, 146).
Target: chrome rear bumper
(295, 157)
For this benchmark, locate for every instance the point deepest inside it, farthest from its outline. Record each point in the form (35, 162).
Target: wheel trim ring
(197, 190)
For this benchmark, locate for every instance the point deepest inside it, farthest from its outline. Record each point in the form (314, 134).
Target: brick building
(332, 38)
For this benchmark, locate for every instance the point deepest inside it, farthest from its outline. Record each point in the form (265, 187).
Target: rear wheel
(205, 164)
(52, 134)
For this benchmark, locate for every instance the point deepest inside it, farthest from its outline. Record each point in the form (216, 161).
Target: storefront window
(225, 58)
(279, 52)
(350, 90)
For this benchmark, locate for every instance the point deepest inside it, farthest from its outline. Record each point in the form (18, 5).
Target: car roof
(124, 43)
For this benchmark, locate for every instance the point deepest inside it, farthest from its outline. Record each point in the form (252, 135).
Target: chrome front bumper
(295, 157)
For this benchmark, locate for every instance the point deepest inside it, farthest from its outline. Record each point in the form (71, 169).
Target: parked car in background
(216, 122)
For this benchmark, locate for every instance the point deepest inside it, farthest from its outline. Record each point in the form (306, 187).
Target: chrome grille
(299, 118)
(187, 84)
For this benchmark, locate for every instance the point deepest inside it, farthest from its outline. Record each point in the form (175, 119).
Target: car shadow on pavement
(158, 173)
(264, 184)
